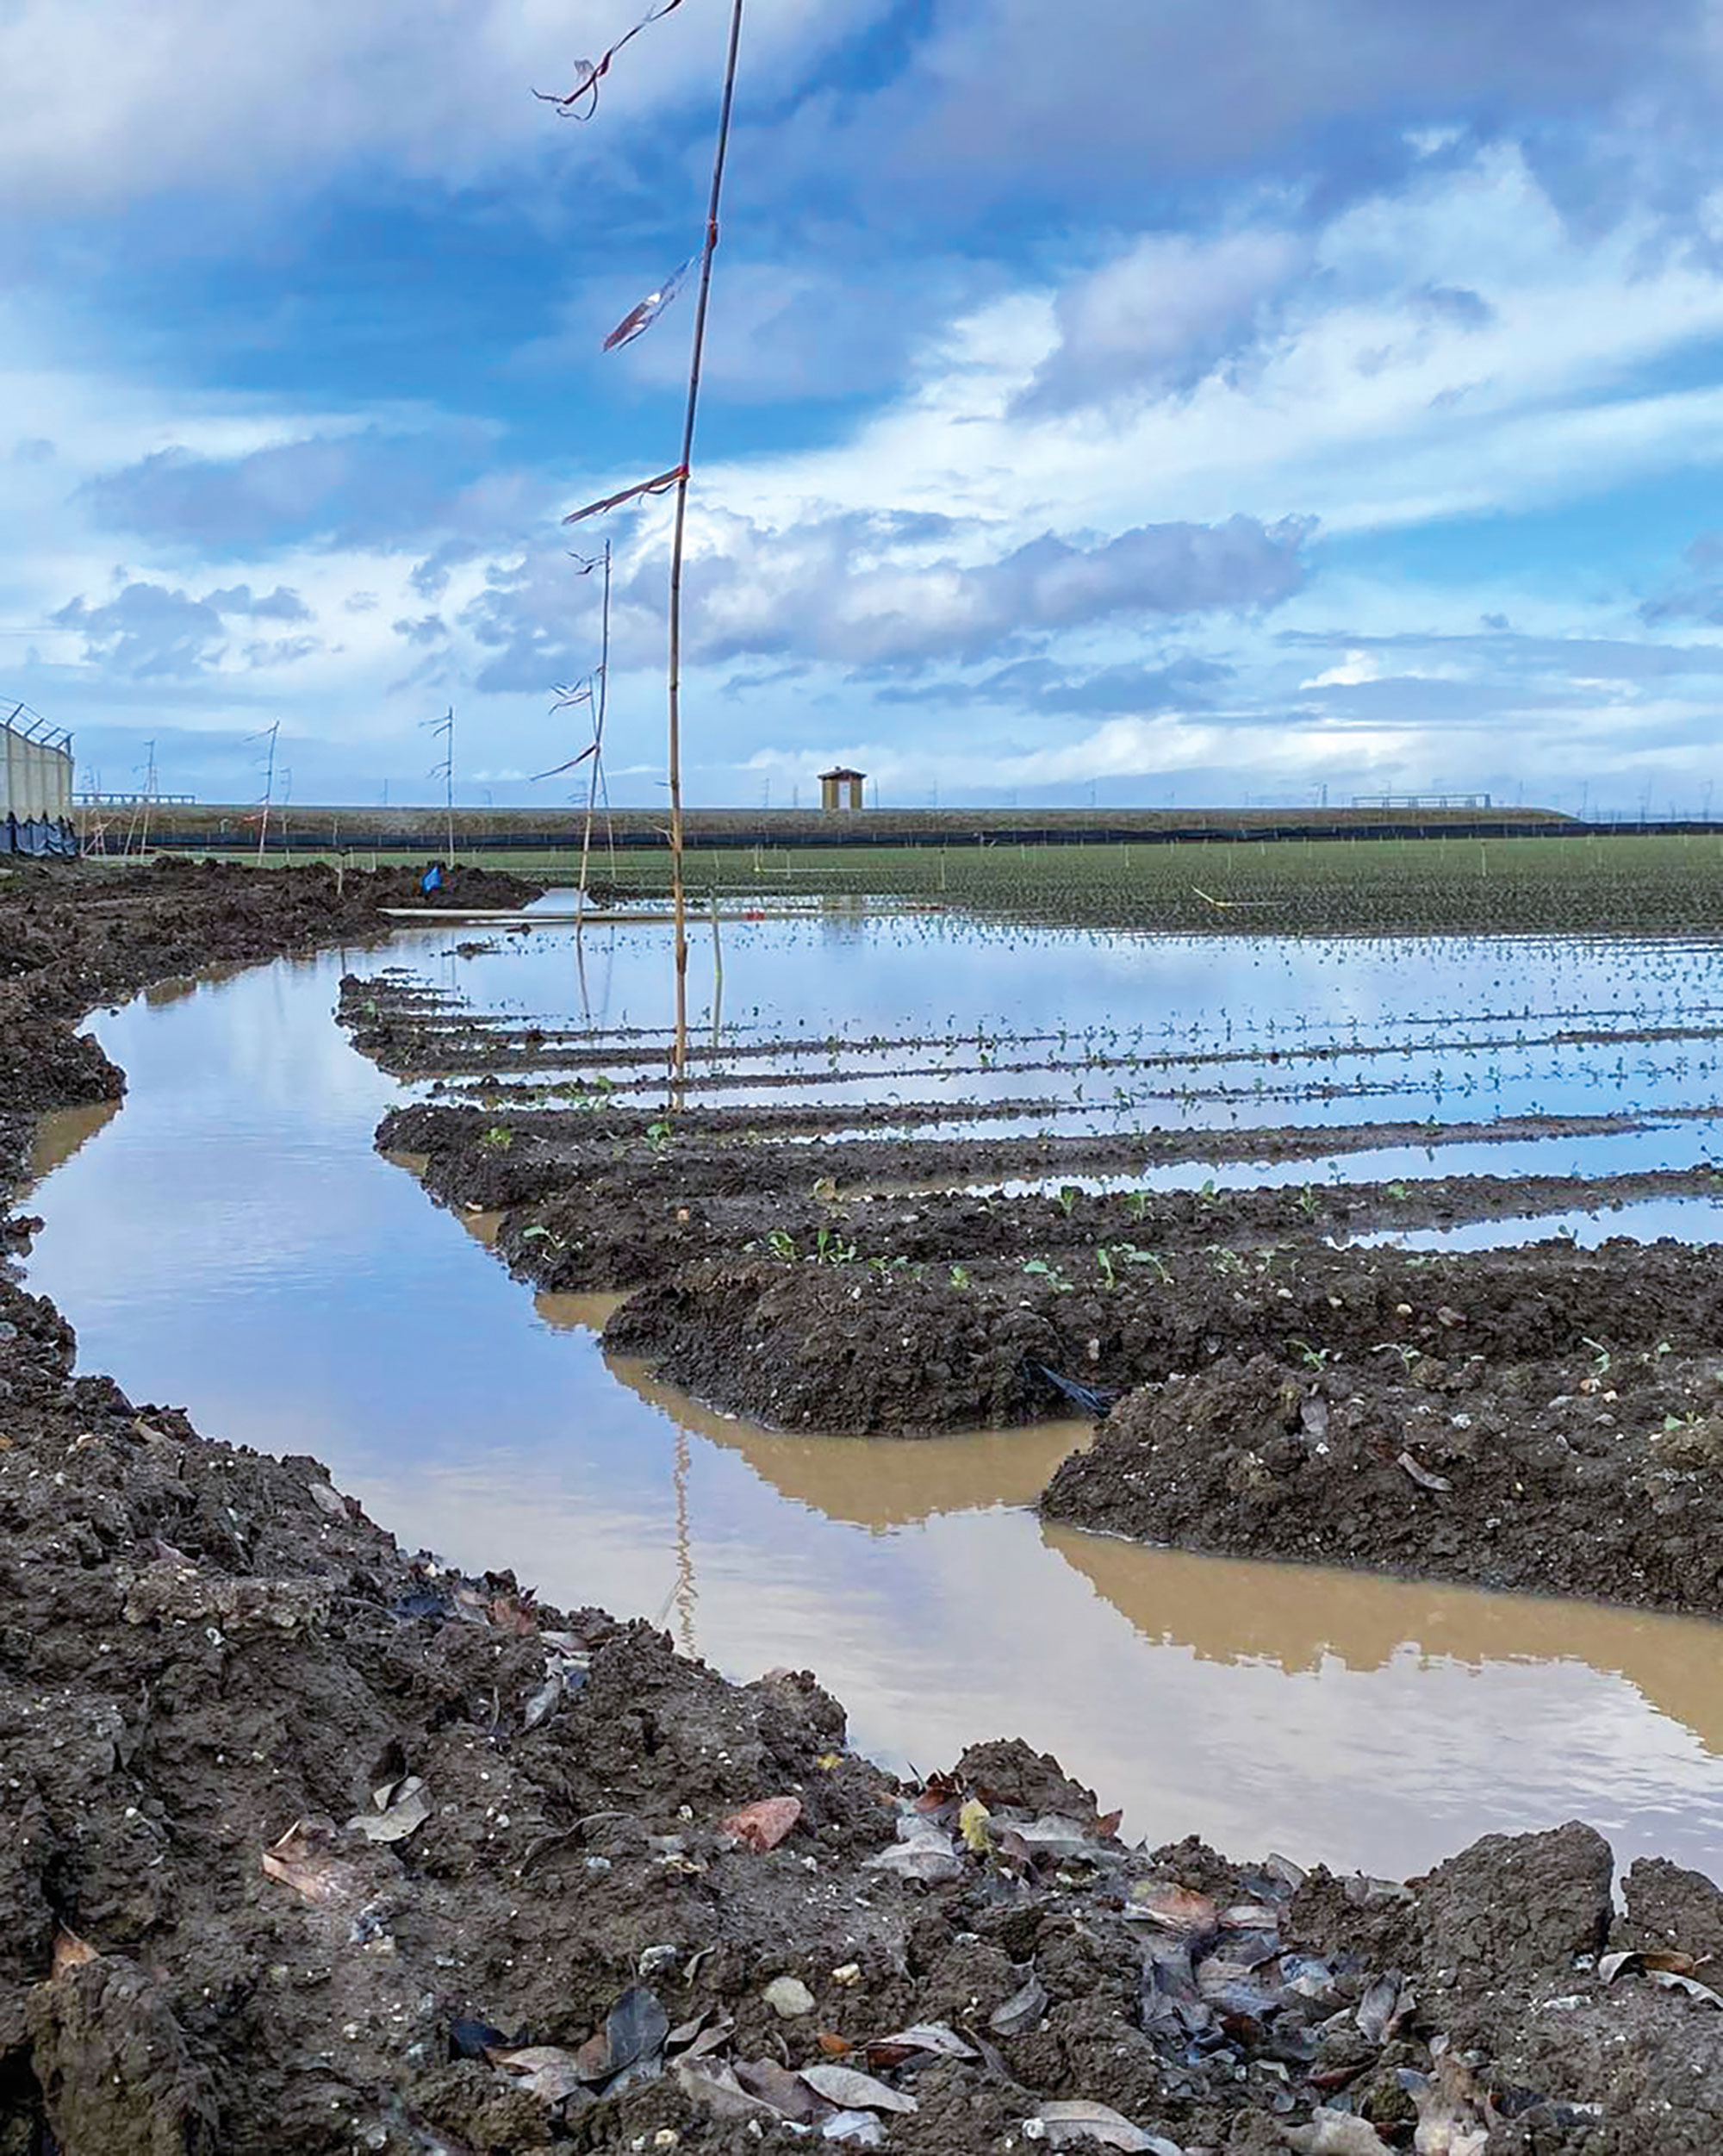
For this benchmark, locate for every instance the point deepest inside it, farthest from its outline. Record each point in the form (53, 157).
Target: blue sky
(1157, 402)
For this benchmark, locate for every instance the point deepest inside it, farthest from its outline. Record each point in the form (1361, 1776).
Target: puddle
(229, 1242)
(59, 1136)
(1693, 1220)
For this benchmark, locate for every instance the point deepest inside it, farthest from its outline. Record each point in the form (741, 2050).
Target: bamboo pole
(449, 790)
(268, 795)
(716, 975)
(678, 891)
(598, 735)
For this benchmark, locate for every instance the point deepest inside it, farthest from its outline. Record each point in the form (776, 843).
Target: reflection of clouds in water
(230, 1240)
(914, 976)
(1642, 1219)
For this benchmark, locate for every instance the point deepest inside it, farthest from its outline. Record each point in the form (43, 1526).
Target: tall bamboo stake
(598, 739)
(448, 788)
(269, 791)
(678, 894)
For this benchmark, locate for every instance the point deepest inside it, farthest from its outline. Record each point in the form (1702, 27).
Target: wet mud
(602, 1209)
(1592, 1476)
(313, 1845)
(1563, 1396)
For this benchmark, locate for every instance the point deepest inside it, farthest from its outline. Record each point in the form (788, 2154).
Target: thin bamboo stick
(598, 735)
(678, 892)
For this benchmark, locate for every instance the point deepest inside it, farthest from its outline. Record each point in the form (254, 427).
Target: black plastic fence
(40, 837)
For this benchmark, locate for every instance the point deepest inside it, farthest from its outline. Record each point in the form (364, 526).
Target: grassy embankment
(1590, 885)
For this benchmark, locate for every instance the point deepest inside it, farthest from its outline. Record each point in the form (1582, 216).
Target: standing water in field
(229, 1240)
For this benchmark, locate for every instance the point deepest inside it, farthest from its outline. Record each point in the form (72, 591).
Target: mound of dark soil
(1557, 1476)
(848, 1346)
(78, 935)
(1588, 1475)
(1549, 1475)
(312, 1848)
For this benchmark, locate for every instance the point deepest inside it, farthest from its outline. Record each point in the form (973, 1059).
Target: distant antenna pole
(444, 727)
(269, 734)
(149, 792)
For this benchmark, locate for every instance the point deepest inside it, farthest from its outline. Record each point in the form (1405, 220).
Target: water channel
(228, 1241)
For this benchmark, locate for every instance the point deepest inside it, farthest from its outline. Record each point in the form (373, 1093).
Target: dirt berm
(310, 1846)
(1594, 1474)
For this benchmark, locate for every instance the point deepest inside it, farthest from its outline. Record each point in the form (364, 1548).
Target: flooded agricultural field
(1047, 1164)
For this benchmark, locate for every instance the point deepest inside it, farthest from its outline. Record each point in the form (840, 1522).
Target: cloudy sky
(1150, 402)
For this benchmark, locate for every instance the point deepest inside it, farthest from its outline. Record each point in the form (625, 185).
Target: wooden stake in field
(445, 771)
(569, 698)
(597, 694)
(268, 733)
(579, 103)
(678, 893)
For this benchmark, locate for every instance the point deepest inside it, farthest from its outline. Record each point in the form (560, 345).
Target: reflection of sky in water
(1640, 1220)
(1468, 1022)
(229, 1240)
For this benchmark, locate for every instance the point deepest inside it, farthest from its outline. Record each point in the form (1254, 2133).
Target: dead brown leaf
(69, 1952)
(763, 1825)
(543, 2070)
(853, 2092)
(303, 1859)
(1423, 1476)
(509, 1614)
(1174, 1908)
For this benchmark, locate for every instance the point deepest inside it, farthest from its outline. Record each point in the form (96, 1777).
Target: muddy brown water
(228, 1241)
